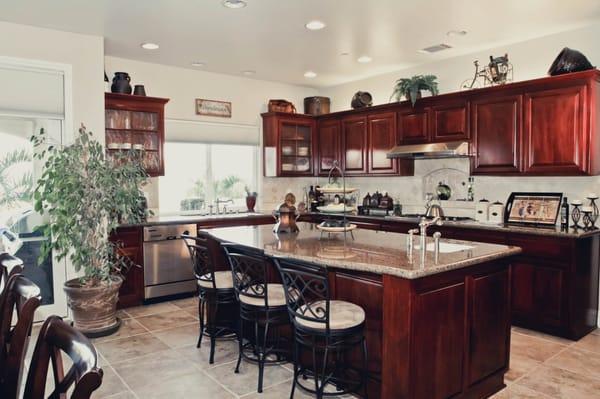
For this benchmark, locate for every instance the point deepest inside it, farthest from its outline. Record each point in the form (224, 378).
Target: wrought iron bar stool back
(329, 329)
(215, 288)
(262, 304)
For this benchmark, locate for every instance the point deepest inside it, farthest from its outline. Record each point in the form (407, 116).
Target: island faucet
(423, 225)
(220, 201)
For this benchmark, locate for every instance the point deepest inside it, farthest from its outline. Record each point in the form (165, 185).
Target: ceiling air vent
(436, 48)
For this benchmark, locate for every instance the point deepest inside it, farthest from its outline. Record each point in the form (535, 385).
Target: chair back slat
(307, 292)
(9, 265)
(200, 254)
(20, 297)
(57, 338)
(249, 269)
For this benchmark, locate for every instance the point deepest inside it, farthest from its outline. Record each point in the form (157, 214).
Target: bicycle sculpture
(498, 72)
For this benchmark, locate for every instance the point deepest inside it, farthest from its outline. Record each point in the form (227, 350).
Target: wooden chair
(9, 265)
(23, 297)
(57, 337)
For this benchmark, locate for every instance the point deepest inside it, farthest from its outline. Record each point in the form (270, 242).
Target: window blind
(178, 130)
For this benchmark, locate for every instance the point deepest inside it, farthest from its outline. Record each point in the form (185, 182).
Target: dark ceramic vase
(121, 83)
(139, 90)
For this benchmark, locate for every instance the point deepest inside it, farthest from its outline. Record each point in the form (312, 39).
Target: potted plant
(410, 88)
(85, 195)
(250, 199)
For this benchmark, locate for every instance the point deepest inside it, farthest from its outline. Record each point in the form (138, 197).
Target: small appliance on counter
(482, 210)
(496, 213)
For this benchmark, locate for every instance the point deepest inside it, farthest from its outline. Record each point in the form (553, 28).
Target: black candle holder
(587, 220)
(576, 215)
(595, 210)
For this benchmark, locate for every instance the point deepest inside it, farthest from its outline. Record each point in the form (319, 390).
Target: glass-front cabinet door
(18, 220)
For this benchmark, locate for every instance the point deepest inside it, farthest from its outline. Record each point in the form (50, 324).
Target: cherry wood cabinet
(328, 145)
(288, 144)
(496, 125)
(132, 121)
(354, 145)
(381, 139)
(413, 125)
(449, 121)
(555, 133)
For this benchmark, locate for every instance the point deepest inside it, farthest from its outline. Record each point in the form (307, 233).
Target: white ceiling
(269, 36)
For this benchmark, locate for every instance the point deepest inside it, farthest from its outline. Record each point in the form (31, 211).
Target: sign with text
(213, 108)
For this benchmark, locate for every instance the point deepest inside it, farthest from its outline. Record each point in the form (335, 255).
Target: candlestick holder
(587, 219)
(576, 214)
(595, 211)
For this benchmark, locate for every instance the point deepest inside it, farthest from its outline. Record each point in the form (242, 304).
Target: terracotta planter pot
(250, 203)
(94, 309)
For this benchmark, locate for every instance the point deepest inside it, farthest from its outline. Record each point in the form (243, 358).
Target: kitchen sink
(446, 247)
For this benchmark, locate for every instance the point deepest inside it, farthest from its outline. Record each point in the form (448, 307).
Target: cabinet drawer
(551, 248)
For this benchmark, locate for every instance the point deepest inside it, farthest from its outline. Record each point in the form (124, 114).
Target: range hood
(450, 149)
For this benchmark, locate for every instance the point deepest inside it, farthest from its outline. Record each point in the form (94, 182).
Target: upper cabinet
(381, 137)
(288, 141)
(354, 145)
(449, 121)
(136, 122)
(413, 125)
(328, 144)
(496, 123)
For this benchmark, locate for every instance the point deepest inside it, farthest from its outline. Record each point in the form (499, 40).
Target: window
(197, 174)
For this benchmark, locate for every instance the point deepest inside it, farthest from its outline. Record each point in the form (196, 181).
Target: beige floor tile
(561, 384)
(166, 320)
(596, 331)
(111, 384)
(590, 342)
(534, 348)
(179, 337)
(122, 349)
(146, 310)
(186, 303)
(122, 314)
(246, 381)
(537, 334)
(156, 368)
(577, 361)
(191, 385)
(122, 395)
(519, 366)
(129, 327)
(279, 391)
(515, 391)
(225, 352)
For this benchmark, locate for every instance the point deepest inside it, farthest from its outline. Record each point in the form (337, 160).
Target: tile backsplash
(410, 191)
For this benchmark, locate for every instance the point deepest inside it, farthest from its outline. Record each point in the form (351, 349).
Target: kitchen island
(433, 329)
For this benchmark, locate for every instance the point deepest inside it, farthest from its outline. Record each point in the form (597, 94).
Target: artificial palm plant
(410, 88)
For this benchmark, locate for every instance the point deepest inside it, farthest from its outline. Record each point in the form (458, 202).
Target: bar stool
(215, 290)
(261, 303)
(329, 329)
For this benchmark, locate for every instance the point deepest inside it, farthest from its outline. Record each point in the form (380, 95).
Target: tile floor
(154, 355)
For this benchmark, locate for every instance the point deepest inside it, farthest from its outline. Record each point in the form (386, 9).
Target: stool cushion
(223, 280)
(276, 297)
(342, 315)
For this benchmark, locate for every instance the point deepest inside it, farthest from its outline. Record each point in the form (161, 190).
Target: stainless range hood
(450, 149)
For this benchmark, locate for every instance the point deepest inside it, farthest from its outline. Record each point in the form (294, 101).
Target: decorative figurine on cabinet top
(499, 71)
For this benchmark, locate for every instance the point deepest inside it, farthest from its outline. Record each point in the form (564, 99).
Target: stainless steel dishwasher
(167, 266)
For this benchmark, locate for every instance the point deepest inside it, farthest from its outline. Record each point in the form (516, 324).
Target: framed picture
(213, 108)
(533, 208)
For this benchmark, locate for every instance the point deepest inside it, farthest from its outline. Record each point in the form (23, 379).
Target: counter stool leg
(201, 305)
(295, 369)
(365, 370)
(240, 344)
(213, 331)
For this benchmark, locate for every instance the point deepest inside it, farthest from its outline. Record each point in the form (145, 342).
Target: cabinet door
(449, 122)
(354, 145)
(328, 142)
(413, 126)
(496, 124)
(537, 292)
(555, 133)
(382, 138)
(295, 147)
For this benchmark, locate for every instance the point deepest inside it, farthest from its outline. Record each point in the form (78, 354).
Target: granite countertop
(182, 219)
(370, 251)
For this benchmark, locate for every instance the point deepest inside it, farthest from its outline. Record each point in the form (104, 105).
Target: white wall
(249, 97)
(84, 53)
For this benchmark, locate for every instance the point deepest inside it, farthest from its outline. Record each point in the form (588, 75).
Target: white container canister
(496, 213)
(481, 210)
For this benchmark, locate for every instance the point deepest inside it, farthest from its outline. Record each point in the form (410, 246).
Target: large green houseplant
(410, 88)
(86, 195)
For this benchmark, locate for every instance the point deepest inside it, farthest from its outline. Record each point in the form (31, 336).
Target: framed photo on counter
(533, 208)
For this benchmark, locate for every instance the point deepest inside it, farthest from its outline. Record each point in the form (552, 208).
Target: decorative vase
(250, 203)
(121, 83)
(139, 90)
(94, 309)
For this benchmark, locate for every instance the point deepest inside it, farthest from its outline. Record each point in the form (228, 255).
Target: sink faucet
(423, 225)
(220, 201)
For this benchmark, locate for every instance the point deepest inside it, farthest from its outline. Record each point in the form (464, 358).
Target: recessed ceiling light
(310, 74)
(150, 46)
(234, 3)
(456, 33)
(198, 64)
(249, 72)
(364, 59)
(315, 25)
